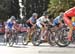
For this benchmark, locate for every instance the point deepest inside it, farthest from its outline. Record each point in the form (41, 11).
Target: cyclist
(31, 24)
(9, 26)
(67, 19)
(42, 24)
(57, 22)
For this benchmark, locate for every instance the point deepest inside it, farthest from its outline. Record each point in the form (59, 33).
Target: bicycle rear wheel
(61, 38)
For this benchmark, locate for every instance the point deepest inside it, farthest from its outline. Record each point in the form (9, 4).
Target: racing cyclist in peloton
(31, 23)
(58, 21)
(42, 24)
(9, 26)
(68, 15)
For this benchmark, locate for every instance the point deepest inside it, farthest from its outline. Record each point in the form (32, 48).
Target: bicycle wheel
(61, 38)
(24, 38)
(11, 41)
(6, 40)
(36, 38)
(16, 38)
(51, 38)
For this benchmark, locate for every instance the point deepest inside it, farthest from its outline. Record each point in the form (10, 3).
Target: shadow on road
(44, 46)
(20, 46)
(71, 47)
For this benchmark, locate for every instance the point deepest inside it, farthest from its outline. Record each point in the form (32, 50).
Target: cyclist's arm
(60, 21)
(43, 23)
(31, 22)
(49, 22)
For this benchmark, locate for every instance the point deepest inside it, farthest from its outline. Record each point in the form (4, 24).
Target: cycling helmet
(61, 14)
(12, 17)
(45, 14)
(34, 14)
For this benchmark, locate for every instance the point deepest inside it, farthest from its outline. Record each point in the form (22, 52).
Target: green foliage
(38, 6)
(57, 6)
(8, 8)
(54, 7)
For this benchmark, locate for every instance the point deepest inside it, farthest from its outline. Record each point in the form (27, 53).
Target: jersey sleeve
(40, 19)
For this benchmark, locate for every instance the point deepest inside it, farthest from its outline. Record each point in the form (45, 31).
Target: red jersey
(70, 12)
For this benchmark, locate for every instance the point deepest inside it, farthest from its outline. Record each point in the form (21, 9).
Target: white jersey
(42, 19)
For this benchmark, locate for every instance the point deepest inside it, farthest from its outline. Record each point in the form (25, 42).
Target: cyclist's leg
(6, 33)
(29, 32)
(69, 23)
(42, 30)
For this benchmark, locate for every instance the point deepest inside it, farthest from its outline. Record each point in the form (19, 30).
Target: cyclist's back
(9, 23)
(32, 20)
(42, 19)
(58, 19)
(67, 19)
(70, 12)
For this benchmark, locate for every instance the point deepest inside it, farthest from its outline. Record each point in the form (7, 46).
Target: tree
(38, 6)
(57, 6)
(8, 8)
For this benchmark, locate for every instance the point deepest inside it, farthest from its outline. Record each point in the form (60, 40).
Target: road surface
(44, 48)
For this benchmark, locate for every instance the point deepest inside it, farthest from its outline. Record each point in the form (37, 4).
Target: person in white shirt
(42, 24)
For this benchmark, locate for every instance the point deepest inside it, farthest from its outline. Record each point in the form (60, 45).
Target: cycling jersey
(40, 20)
(9, 24)
(67, 19)
(69, 14)
(33, 21)
(56, 20)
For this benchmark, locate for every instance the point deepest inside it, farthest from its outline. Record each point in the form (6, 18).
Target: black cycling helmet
(45, 14)
(34, 14)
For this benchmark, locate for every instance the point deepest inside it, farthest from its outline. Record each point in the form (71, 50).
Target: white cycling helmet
(61, 14)
(34, 14)
(12, 17)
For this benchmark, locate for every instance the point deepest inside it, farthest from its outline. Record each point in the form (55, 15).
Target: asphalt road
(44, 48)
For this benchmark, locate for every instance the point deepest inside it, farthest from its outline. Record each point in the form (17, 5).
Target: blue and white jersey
(56, 20)
(9, 24)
